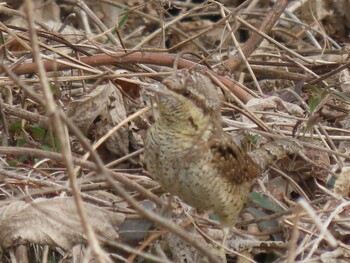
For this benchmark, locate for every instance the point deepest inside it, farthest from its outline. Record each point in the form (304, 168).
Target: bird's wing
(231, 161)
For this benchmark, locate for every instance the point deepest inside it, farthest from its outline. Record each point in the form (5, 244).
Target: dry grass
(74, 113)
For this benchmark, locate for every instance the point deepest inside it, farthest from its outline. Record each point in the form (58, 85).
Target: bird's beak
(158, 89)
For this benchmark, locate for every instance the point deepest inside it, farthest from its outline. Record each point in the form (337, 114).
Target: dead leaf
(184, 253)
(44, 11)
(105, 13)
(84, 111)
(113, 114)
(342, 185)
(264, 109)
(105, 102)
(273, 105)
(53, 222)
(340, 254)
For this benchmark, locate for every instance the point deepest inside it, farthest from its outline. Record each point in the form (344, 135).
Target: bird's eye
(186, 93)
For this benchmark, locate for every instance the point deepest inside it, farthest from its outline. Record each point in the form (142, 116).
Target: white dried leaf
(339, 255)
(342, 228)
(273, 104)
(53, 222)
(342, 185)
(344, 78)
(344, 145)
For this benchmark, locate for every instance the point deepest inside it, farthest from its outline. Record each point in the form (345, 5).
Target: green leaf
(15, 127)
(54, 88)
(47, 148)
(313, 102)
(214, 217)
(253, 138)
(121, 22)
(263, 201)
(12, 163)
(123, 19)
(342, 96)
(264, 226)
(39, 134)
(20, 141)
(331, 182)
(270, 257)
(56, 145)
(44, 137)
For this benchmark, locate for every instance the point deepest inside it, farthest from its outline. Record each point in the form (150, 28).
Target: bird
(188, 153)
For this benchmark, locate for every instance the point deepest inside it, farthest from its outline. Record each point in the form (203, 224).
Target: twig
(255, 39)
(61, 134)
(131, 184)
(134, 57)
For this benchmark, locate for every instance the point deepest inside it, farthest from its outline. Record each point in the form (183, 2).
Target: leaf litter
(293, 82)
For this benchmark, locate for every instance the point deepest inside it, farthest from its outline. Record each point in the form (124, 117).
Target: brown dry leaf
(321, 163)
(107, 14)
(85, 110)
(276, 150)
(338, 17)
(133, 231)
(106, 102)
(53, 222)
(270, 105)
(114, 113)
(279, 188)
(182, 252)
(316, 165)
(129, 86)
(45, 11)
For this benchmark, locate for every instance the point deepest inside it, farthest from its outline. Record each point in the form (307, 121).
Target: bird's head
(187, 98)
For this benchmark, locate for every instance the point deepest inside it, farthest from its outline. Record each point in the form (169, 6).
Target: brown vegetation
(74, 112)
